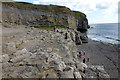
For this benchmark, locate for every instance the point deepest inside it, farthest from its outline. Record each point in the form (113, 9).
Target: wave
(104, 32)
(112, 38)
(102, 38)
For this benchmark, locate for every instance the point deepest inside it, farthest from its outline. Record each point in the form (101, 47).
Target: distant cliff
(43, 15)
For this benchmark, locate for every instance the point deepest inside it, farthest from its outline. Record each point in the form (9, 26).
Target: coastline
(103, 54)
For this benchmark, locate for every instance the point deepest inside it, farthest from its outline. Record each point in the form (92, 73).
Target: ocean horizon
(105, 32)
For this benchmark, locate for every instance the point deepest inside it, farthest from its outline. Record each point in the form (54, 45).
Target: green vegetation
(50, 8)
(50, 27)
(17, 23)
(77, 14)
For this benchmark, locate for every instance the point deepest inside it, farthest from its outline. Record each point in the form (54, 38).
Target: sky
(97, 11)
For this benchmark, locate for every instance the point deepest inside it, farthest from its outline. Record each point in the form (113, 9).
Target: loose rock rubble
(45, 54)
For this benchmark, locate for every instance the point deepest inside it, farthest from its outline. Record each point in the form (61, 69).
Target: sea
(107, 32)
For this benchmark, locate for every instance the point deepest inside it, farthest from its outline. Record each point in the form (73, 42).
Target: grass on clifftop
(50, 27)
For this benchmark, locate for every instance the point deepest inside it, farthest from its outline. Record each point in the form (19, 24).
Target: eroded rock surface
(37, 53)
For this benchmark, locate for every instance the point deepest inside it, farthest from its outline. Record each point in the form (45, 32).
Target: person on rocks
(84, 53)
(54, 29)
(84, 60)
(87, 59)
(79, 56)
(66, 35)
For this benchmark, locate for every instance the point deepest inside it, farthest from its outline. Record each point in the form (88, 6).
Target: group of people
(84, 56)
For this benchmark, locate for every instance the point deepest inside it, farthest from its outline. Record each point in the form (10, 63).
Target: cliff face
(43, 15)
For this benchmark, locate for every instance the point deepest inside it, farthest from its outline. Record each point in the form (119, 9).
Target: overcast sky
(97, 11)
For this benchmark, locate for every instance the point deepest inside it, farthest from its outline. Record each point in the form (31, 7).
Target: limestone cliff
(43, 15)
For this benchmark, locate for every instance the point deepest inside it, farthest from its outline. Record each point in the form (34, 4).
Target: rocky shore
(38, 53)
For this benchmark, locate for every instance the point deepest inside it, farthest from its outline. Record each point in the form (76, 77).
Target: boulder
(66, 47)
(44, 55)
(49, 49)
(84, 39)
(14, 75)
(51, 75)
(33, 56)
(21, 52)
(6, 66)
(20, 58)
(95, 71)
(54, 56)
(69, 36)
(5, 58)
(72, 35)
(58, 65)
(40, 67)
(100, 71)
(77, 75)
(10, 47)
(77, 39)
(68, 61)
(67, 73)
(81, 66)
(89, 73)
